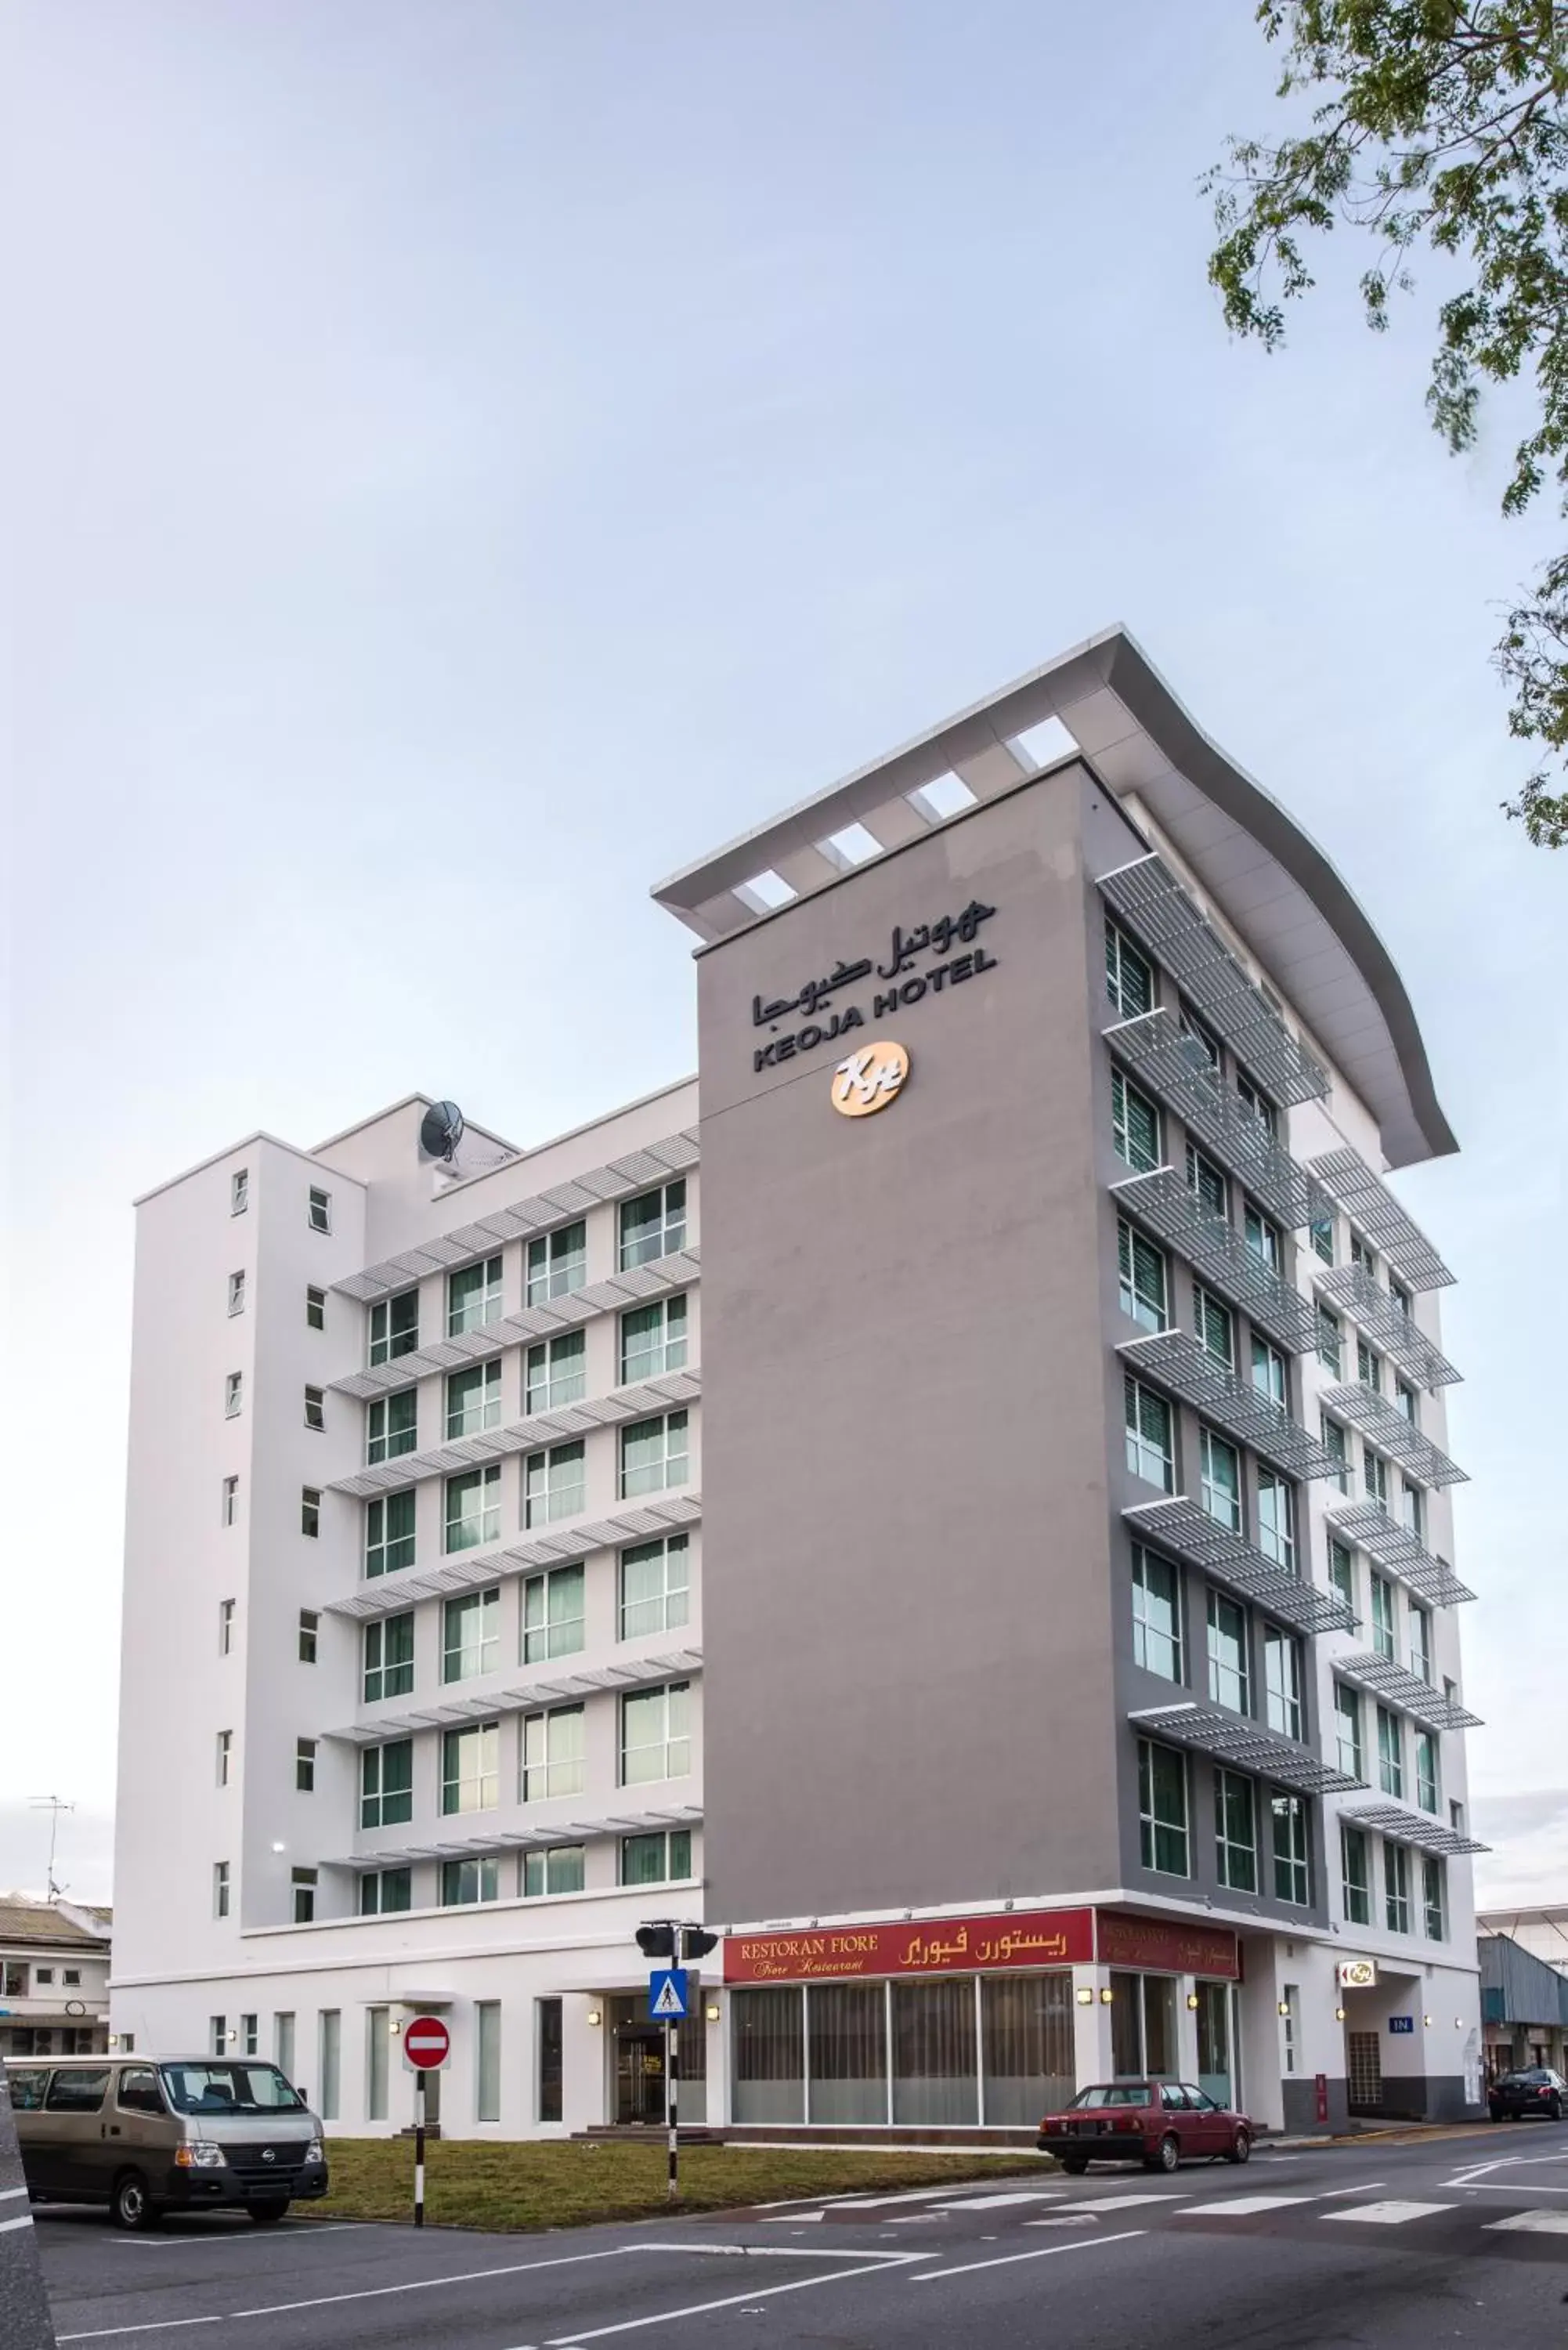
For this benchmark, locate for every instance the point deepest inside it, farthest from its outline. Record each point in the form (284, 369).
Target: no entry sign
(426, 2044)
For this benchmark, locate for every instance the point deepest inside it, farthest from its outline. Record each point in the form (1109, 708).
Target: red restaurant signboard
(941, 1946)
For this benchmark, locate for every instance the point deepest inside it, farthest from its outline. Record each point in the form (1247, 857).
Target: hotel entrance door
(639, 2074)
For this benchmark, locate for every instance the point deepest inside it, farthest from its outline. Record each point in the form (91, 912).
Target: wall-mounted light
(280, 1847)
(1084, 1998)
(713, 2010)
(1192, 1999)
(395, 2025)
(593, 2015)
(1458, 2023)
(1427, 2021)
(1339, 2015)
(1106, 1996)
(1285, 2007)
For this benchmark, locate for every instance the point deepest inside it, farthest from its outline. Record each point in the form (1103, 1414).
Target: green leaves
(1442, 125)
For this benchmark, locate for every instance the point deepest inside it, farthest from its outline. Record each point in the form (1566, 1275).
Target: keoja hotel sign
(918, 964)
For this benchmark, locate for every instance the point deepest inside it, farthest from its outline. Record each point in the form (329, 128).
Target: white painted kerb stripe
(8, 2225)
(7, 2193)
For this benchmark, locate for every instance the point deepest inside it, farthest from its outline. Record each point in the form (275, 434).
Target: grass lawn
(534, 2185)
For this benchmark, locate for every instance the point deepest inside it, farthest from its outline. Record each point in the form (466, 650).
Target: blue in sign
(1401, 2024)
(667, 1995)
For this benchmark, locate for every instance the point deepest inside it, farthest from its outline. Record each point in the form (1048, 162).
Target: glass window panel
(473, 1401)
(653, 1225)
(935, 2075)
(1134, 1125)
(1156, 1615)
(553, 1615)
(557, 1263)
(653, 1340)
(556, 1372)
(848, 2028)
(1026, 2046)
(769, 2053)
(654, 1593)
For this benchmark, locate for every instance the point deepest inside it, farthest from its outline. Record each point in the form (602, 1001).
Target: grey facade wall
(903, 1346)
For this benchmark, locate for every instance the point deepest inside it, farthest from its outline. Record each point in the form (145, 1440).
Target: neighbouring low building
(54, 1977)
(1524, 1987)
(956, 1495)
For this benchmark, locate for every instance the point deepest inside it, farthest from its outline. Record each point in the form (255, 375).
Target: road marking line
(902, 2195)
(995, 2203)
(1392, 2214)
(8, 2193)
(1239, 2206)
(730, 2301)
(1041, 2252)
(1121, 2203)
(230, 2236)
(782, 2252)
(1504, 2162)
(1364, 2187)
(1530, 2223)
(8, 2226)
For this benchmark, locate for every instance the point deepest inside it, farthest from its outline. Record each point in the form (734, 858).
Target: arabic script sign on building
(918, 964)
(1167, 1948)
(1044, 1937)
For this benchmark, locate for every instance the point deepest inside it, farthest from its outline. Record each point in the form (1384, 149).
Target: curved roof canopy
(1273, 885)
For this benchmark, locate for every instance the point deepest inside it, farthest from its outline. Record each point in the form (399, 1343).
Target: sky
(470, 457)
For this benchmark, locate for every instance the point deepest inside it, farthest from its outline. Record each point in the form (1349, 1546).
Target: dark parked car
(1156, 2123)
(1537, 2090)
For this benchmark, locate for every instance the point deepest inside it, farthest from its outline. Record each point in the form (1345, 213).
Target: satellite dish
(441, 1131)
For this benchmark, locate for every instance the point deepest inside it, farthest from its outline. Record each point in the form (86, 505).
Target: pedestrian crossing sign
(667, 1995)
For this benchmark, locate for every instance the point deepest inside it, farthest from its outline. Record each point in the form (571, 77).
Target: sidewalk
(1371, 2134)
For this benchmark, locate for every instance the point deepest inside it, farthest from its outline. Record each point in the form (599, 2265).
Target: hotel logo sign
(1357, 1974)
(869, 1079)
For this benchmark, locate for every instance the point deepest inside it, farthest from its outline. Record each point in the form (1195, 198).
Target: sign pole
(419, 2149)
(673, 2070)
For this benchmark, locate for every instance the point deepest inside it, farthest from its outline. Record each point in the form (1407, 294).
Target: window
(1215, 1324)
(1269, 1372)
(1383, 1637)
(1156, 1615)
(394, 1326)
(220, 1889)
(1402, 1299)
(1427, 1790)
(310, 1510)
(1375, 1476)
(653, 1225)
(1129, 980)
(548, 2037)
(471, 1635)
(384, 1892)
(331, 2064)
(1342, 1571)
(302, 1887)
(653, 1340)
(1336, 1444)
(1207, 1055)
(237, 1292)
(69, 1975)
(389, 1661)
(1413, 1509)
(655, 1587)
(473, 1508)
(470, 1780)
(1406, 1399)
(472, 1400)
(1322, 1231)
(218, 2033)
(660, 1859)
(1162, 1809)
(315, 1309)
(558, 1372)
(1235, 1832)
(225, 1627)
(1330, 1340)
(387, 1785)
(1207, 1184)
(377, 2057)
(309, 1629)
(557, 1263)
(1368, 1367)
(239, 1191)
(653, 1454)
(1262, 1108)
(1277, 1520)
(554, 1754)
(225, 1755)
(1283, 1682)
(462, 1881)
(1134, 1125)
(554, 1485)
(249, 2035)
(42, 1975)
(1390, 1753)
(1395, 1888)
(1142, 1267)
(1456, 1816)
(473, 1296)
(1230, 1679)
(1347, 1727)
(1220, 1479)
(655, 1734)
(558, 1869)
(553, 1617)
(304, 1766)
(1261, 1237)
(391, 1426)
(1433, 1901)
(487, 2060)
(1361, 1254)
(233, 1395)
(1149, 1453)
(1288, 1828)
(1356, 1876)
(1420, 1624)
(283, 2044)
(318, 1209)
(231, 1501)
(315, 1409)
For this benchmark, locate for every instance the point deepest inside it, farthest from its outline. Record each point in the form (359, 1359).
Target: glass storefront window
(934, 2074)
(1142, 2027)
(769, 2055)
(848, 2039)
(1026, 2046)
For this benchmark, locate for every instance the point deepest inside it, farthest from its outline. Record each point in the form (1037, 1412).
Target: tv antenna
(54, 1805)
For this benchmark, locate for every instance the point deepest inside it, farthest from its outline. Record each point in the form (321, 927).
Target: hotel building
(955, 1495)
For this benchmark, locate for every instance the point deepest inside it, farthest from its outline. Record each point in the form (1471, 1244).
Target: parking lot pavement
(1466, 2241)
(25, 2322)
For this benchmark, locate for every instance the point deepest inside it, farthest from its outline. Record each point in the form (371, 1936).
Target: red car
(1156, 2123)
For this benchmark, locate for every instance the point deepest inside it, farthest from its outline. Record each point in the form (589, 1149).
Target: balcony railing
(1391, 1433)
(1167, 1205)
(461, 1571)
(1408, 1692)
(1364, 1301)
(1180, 1527)
(1230, 1738)
(1174, 1360)
(1372, 1207)
(1215, 1115)
(1152, 901)
(453, 1709)
(1417, 1828)
(529, 1839)
(1395, 1547)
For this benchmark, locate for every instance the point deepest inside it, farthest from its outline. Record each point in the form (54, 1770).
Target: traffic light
(696, 1942)
(656, 1941)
